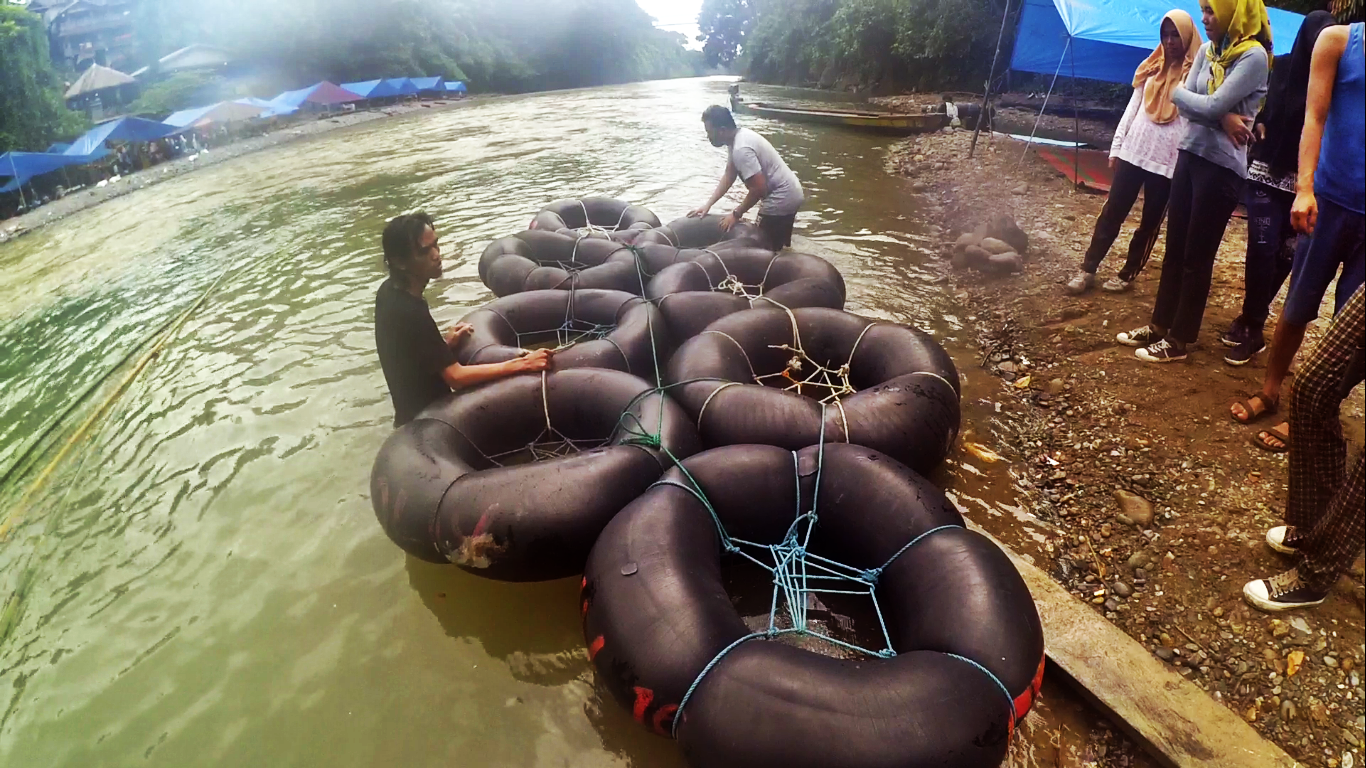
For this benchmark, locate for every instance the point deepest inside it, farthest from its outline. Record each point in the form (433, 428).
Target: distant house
(191, 58)
(85, 32)
(100, 88)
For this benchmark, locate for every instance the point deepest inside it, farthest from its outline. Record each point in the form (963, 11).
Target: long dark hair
(402, 238)
(1287, 92)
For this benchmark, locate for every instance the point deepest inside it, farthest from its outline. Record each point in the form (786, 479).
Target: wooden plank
(1164, 713)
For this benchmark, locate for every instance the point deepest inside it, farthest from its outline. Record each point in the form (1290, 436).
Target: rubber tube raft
(694, 294)
(594, 213)
(542, 260)
(894, 389)
(445, 489)
(658, 621)
(593, 328)
(704, 232)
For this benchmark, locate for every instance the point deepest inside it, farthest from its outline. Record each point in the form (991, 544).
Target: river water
(201, 581)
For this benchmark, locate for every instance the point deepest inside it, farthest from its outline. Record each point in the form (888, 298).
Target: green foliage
(891, 43)
(180, 91)
(499, 45)
(723, 24)
(32, 113)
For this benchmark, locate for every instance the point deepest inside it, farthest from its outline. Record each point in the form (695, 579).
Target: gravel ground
(1152, 500)
(93, 196)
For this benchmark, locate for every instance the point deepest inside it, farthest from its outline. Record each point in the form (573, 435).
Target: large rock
(993, 246)
(1004, 228)
(1133, 509)
(1005, 263)
(966, 239)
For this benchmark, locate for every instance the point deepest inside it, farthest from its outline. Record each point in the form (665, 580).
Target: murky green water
(204, 582)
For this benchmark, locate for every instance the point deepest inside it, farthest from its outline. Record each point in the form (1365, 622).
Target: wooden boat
(881, 122)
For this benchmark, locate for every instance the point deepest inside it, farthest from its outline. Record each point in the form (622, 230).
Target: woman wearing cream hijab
(1228, 78)
(1143, 155)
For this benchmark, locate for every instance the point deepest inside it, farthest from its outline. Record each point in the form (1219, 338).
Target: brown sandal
(1260, 440)
(1269, 407)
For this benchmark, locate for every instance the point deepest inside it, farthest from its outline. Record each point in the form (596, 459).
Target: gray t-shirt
(1242, 93)
(751, 153)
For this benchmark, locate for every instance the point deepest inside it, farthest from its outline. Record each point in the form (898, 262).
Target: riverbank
(1078, 424)
(95, 195)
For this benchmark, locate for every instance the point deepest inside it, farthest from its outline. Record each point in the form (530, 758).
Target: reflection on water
(202, 581)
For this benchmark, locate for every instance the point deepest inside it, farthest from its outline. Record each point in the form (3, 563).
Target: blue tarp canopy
(456, 87)
(22, 166)
(187, 116)
(364, 89)
(1107, 39)
(430, 83)
(122, 129)
(252, 101)
(402, 86)
(323, 94)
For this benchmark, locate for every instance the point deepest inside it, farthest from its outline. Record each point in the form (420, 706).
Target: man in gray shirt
(768, 179)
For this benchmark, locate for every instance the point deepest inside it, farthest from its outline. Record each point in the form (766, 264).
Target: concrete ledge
(1170, 717)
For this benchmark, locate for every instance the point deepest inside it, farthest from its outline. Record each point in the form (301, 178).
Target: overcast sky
(675, 16)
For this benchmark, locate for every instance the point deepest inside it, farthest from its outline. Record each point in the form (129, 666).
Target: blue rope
(871, 576)
(1010, 700)
(795, 570)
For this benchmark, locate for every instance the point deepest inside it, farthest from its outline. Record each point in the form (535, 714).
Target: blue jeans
(1270, 252)
(1339, 239)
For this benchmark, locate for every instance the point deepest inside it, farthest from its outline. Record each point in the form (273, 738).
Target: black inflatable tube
(441, 498)
(694, 294)
(704, 232)
(656, 613)
(598, 212)
(638, 339)
(542, 260)
(906, 403)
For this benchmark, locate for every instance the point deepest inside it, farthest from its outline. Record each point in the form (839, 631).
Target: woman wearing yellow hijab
(1228, 78)
(1143, 156)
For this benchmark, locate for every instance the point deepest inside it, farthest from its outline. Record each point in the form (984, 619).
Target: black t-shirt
(412, 351)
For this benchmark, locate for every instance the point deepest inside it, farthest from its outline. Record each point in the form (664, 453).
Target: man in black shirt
(417, 360)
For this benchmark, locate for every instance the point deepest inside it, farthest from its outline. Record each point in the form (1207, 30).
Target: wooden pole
(986, 97)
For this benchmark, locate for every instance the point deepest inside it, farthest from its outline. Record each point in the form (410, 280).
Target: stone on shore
(1134, 509)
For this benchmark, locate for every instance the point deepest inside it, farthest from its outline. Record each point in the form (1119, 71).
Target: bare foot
(1275, 440)
(1252, 409)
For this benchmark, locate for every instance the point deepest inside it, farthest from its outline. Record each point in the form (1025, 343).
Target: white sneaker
(1139, 337)
(1117, 285)
(1163, 351)
(1282, 592)
(1083, 282)
(1275, 538)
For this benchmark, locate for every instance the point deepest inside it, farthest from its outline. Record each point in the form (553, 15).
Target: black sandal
(1260, 440)
(1269, 407)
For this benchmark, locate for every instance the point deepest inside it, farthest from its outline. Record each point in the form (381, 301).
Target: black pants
(778, 229)
(1129, 179)
(1270, 251)
(1202, 201)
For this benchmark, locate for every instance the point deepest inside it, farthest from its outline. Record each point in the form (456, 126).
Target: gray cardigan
(1243, 90)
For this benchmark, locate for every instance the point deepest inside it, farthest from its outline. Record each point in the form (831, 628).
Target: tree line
(505, 46)
(884, 45)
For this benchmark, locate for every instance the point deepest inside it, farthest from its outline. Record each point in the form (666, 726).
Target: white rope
(703, 411)
(737, 346)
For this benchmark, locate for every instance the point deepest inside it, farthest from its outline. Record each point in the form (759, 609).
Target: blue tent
(1106, 39)
(402, 86)
(188, 116)
(252, 101)
(22, 166)
(456, 87)
(322, 94)
(364, 89)
(429, 84)
(122, 129)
